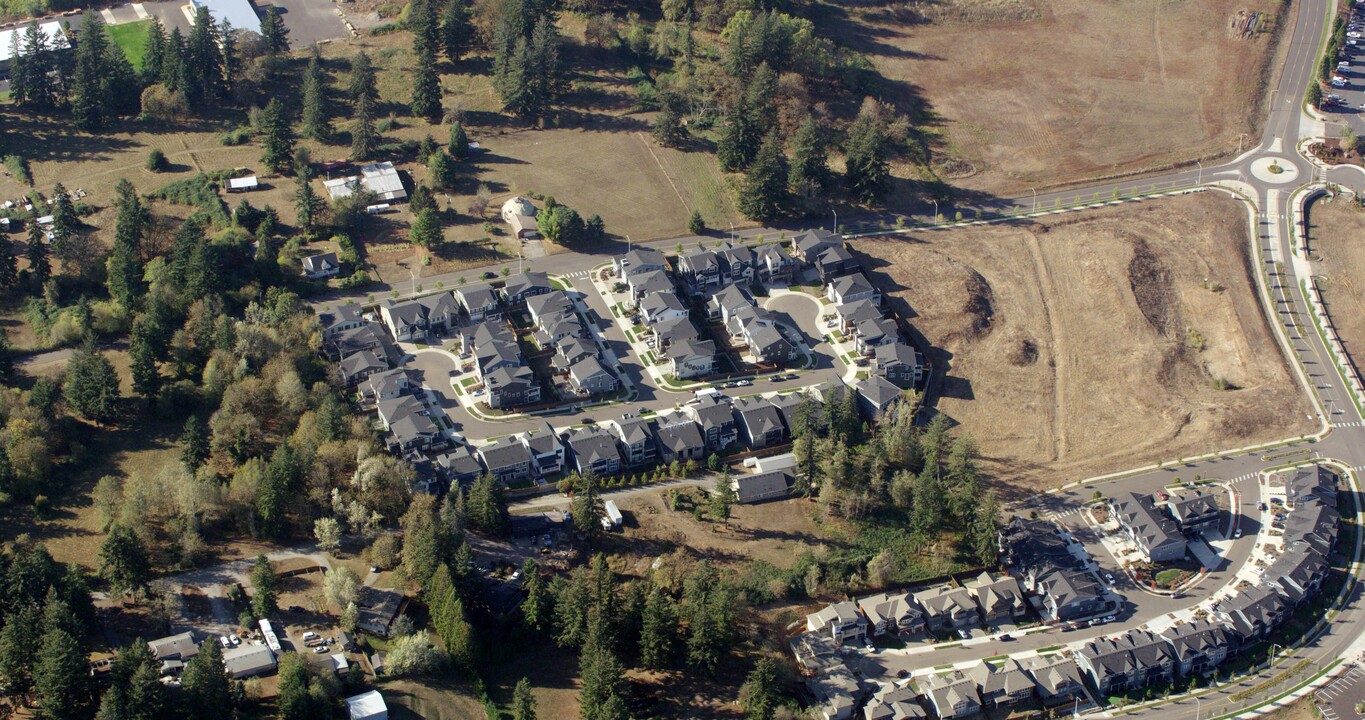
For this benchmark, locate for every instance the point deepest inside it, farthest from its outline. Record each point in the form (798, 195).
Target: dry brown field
(1334, 237)
(1045, 92)
(1089, 343)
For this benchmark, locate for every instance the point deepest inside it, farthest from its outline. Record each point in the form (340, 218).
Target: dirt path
(1156, 36)
(1059, 347)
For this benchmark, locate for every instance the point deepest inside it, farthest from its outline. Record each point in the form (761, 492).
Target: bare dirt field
(1090, 343)
(1334, 235)
(1042, 92)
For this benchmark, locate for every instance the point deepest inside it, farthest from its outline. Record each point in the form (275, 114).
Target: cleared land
(1151, 82)
(1334, 237)
(1094, 342)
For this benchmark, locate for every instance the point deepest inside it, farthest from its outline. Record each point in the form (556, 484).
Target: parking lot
(1351, 92)
(1338, 700)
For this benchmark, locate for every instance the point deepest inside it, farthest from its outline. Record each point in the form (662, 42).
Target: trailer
(612, 518)
(271, 641)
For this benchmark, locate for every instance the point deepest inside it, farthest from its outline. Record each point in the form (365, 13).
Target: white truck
(611, 519)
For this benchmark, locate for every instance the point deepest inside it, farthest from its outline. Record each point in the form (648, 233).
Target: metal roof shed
(367, 706)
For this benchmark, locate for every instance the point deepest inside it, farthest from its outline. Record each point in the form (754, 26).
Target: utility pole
(1035, 199)
(935, 211)
(1200, 180)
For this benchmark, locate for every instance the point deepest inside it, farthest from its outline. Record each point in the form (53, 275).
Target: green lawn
(132, 39)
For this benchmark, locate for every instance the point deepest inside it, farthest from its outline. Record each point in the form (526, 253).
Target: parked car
(1006, 637)
(1237, 535)
(1110, 577)
(744, 383)
(964, 633)
(1110, 618)
(320, 649)
(310, 635)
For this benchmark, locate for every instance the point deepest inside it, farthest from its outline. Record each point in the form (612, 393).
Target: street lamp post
(835, 210)
(1035, 199)
(1076, 706)
(1200, 180)
(1272, 652)
(935, 211)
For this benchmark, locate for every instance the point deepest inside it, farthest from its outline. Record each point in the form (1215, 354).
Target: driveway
(309, 21)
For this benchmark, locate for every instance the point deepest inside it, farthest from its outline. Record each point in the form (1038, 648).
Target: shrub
(18, 165)
(200, 191)
(235, 136)
(156, 160)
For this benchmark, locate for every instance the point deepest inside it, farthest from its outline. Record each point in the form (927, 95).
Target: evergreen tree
(125, 274)
(457, 32)
(202, 66)
(426, 230)
(232, 56)
(658, 629)
(760, 96)
(173, 61)
(146, 375)
(442, 170)
(60, 677)
(362, 79)
(66, 227)
(307, 204)
(274, 33)
(264, 588)
(739, 141)
(668, 127)
(459, 141)
(600, 695)
(316, 124)
(866, 169)
(91, 386)
(88, 89)
(587, 507)
(523, 702)
(124, 562)
(33, 69)
(9, 266)
(19, 642)
(195, 437)
(535, 609)
(709, 605)
(763, 196)
(156, 50)
(36, 252)
(279, 137)
(810, 161)
(426, 87)
(205, 687)
(927, 513)
(486, 506)
(364, 137)
(759, 696)
(984, 528)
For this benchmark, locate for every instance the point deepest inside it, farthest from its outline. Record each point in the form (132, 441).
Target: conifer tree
(156, 50)
(364, 136)
(442, 169)
(864, 159)
(88, 101)
(456, 29)
(739, 140)
(426, 87)
(202, 64)
(279, 137)
(459, 142)
(39, 265)
(810, 157)
(274, 33)
(764, 193)
(316, 124)
(9, 267)
(307, 204)
(362, 79)
(125, 274)
(61, 677)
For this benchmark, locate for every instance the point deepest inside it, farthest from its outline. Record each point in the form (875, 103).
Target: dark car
(488, 275)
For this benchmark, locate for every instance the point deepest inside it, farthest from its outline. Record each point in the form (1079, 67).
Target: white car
(1237, 535)
(310, 635)
(1353, 34)
(744, 383)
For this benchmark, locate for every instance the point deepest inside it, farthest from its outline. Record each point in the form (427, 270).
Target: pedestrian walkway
(1358, 423)
(577, 274)
(1244, 477)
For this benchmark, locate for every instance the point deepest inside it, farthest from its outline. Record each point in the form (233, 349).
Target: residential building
(1056, 678)
(675, 330)
(853, 314)
(594, 450)
(691, 358)
(808, 245)
(1133, 660)
(412, 320)
(480, 302)
(247, 661)
(386, 385)
(876, 395)
(1194, 513)
(852, 288)
(588, 377)
(180, 647)
(951, 695)
(833, 262)
(892, 612)
(547, 450)
(761, 486)
(1069, 595)
(359, 366)
(459, 466)
(1310, 484)
(766, 343)
(380, 178)
(507, 459)
(338, 319)
(410, 429)
(317, 267)
(899, 364)
(948, 608)
(544, 307)
(700, 271)
(1155, 534)
(511, 387)
(774, 264)
(378, 609)
(895, 703)
(1199, 646)
(869, 335)
(816, 653)
(557, 329)
(639, 261)
(1314, 524)
(837, 693)
(366, 336)
(648, 283)
(736, 264)
(841, 621)
(660, 306)
(680, 439)
(1297, 573)
(760, 423)
(1000, 598)
(1002, 685)
(788, 404)
(636, 439)
(716, 421)
(521, 215)
(1253, 613)
(728, 301)
(571, 350)
(521, 286)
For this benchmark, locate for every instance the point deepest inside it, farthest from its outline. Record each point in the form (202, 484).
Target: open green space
(132, 40)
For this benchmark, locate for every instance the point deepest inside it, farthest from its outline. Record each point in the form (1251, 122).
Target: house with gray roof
(895, 703)
(557, 329)
(852, 288)
(547, 450)
(386, 385)
(691, 358)
(594, 450)
(480, 302)
(900, 364)
(367, 336)
(511, 387)
(1133, 660)
(507, 460)
(680, 439)
(638, 261)
(319, 267)
(1297, 573)
(570, 351)
(716, 421)
(674, 330)
(459, 466)
(588, 377)
(853, 314)
(841, 621)
(787, 405)
(948, 608)
(761, 486)
(736, 264)
(359, 366)
(875, 395)
(1056, 678)
(1194, 513)
(660, 306)
(951, 695)
(1199, 646)
(774, 264)
(1002, 685)
(342, 317)
(180, 647)
(727, 301)
(1254, 612)
(892, 612)
(700, 271)
(1310, 484)
(412, 320)
(872, 334)
(248, 661)
(766, 343)
(521, 286)
(816, 653)
(809, 244)
(833, 262)
(760, 423)
(1000, 598)
(410, 429)
(647, 283)
(1315, 524)
(837, 693)
(636, 439)
(1155, 534)
(545, 306)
